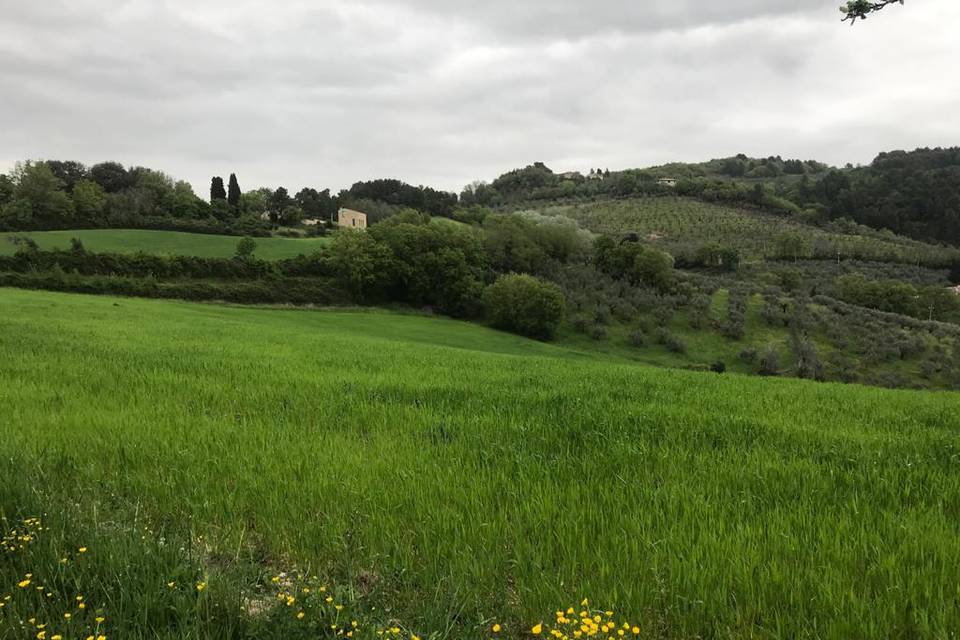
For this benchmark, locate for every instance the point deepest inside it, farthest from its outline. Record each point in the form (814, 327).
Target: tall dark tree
(112, 176)
(233, 192)
(279, 201)
(69, 172)
(217, 192)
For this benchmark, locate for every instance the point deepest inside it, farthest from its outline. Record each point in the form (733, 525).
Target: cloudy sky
(443, 92)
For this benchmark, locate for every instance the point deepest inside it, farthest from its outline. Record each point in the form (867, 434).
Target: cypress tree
(233, 192)
(217, 192)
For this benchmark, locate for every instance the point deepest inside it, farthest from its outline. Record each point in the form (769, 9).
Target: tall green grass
(450, 476)
(163, 242)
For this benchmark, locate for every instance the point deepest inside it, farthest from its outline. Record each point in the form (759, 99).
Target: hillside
(682, 225)
(172, 243)
(441, 478)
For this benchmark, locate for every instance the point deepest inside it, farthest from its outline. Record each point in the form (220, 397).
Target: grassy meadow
(202, 471)
(163, 242)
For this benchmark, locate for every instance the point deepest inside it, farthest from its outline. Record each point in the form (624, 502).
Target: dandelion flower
(99, 619)
(496, 628)
(23, 584)
(82, 550)
(201, 586)
(301, 615)
(537, 628)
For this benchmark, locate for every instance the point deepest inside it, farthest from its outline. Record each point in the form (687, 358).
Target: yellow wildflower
(23, 584)
(82, 550)
(496, 628)
(537, 628)
(301, 615)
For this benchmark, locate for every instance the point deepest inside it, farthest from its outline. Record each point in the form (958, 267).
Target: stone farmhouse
(350, 219)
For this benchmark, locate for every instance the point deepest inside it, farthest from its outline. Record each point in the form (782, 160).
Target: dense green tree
(233, 192)
(112, 176)
(432, 263)
(39, 198)
(291, 216)
(217, 192)
(278, 203)
(255, 202)
(69, 172)
(6, 189)
(89, 199)
(359, 262)
(525, 305)
(316, 204)
(635, 262)
(185, 203)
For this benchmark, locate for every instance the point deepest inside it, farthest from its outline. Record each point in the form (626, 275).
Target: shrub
(525, 305)
(719, 367)
(670, 341)
(637, 338)
(245, 247)
(770, 362)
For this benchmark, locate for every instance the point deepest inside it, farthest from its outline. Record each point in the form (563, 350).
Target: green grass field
(438, 477)
(164, 242)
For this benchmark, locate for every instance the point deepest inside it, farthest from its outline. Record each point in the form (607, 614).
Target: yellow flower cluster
(313, 604)
(37, 609)
(21, 536)
(571, 624)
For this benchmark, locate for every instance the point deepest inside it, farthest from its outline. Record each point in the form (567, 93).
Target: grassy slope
(476, 474)
(672, 221)
(164, 242)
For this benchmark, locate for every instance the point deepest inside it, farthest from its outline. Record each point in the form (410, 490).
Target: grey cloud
(299, 92)
(580, 18)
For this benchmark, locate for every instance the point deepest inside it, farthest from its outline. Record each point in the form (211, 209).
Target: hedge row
(277, 290)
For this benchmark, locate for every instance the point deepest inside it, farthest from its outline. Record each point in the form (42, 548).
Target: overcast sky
(443, 92)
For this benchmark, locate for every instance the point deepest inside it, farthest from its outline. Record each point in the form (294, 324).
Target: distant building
(667, 182)
(571, 175)
(311, 222)
(351, 219)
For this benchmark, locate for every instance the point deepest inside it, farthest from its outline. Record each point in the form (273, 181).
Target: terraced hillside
(681, 225)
